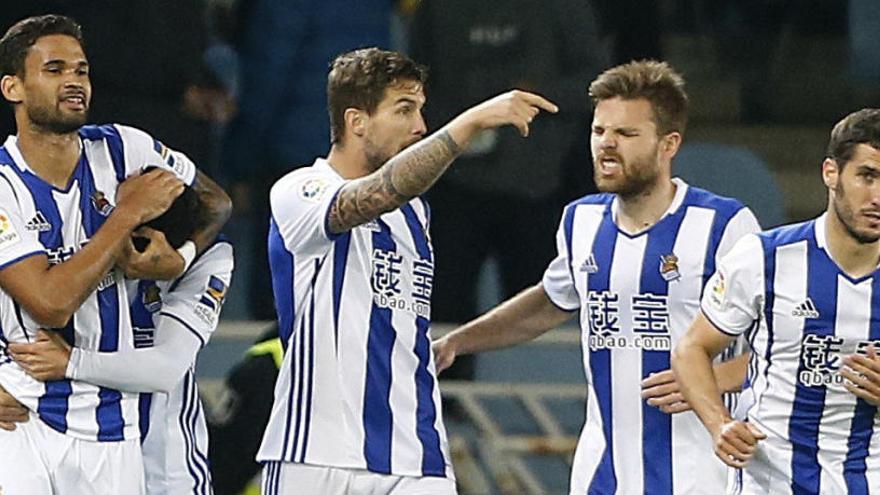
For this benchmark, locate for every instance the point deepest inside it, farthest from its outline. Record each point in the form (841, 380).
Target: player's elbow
(49, 316)
(53, 310)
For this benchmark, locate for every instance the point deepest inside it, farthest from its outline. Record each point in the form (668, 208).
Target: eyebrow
(58, 61)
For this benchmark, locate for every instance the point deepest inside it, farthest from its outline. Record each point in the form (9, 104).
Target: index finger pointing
(540, 102)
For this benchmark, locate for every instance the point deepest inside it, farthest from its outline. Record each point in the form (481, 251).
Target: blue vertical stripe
(201, 453)
(199, 459)
(605, 478)
(340, 260)
(809, 402)
(433, 463)
(309, 378)
(300, 349)
(53, 405)
(294, 360)
(862, 428)
(183, 422)
(378, 419)
(110, 135)
(301, 377)
(109, 410)
(657, 425)
(281, 264)
(145, 400)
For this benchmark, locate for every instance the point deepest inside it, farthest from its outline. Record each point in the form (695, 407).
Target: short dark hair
(358, 79)
(652, 80)
(23, 34)
(861, 127)
(179, 222)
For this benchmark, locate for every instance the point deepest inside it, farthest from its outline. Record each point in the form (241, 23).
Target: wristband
(188, 253)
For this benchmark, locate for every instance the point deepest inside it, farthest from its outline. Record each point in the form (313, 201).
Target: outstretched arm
(411, 172)
(521, 318)
(157, 369)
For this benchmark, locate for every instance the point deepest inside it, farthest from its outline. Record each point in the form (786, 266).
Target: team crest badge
(669, 267)
(102, 204)
(152, 299)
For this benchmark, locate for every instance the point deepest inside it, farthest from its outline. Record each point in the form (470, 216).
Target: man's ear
(355, 121)
(830, 173)
(12, 88)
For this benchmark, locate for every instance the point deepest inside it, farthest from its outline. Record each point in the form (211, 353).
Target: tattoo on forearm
(402, 178)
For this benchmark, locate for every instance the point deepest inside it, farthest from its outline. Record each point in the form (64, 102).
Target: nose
(420, 128)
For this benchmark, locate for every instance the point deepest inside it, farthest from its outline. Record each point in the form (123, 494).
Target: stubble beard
(54, 121)
(847, 217)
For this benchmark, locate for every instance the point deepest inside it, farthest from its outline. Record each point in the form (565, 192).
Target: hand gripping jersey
(35, 218)
(802, 315)
(357, 387)
(637, 295)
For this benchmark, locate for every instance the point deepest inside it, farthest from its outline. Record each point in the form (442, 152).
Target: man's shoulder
(787, 234)
(723, 205)
(306, 183)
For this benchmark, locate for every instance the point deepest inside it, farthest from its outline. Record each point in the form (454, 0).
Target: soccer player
(807, 298)
(172, 321)
(63, 227)
(633, 260)
(356, 402)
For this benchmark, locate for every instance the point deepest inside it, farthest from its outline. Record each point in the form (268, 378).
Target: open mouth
(608, 164)
(76, 101)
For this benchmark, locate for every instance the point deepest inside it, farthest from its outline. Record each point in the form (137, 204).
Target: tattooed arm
(413, 171)
(215, 207)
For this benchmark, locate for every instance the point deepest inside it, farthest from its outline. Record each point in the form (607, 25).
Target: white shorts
(37, 459)
(287, 478)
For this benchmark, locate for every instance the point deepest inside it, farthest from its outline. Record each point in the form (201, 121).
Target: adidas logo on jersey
(589, 265)
(38, 223)
(806, 309)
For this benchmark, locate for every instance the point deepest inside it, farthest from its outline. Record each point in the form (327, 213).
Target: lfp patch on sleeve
(8, 234)
(314, 189)
(717, 287)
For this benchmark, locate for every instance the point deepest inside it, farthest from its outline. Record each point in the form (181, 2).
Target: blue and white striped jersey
(357, 388)
(801, 314)
(37, 218)
(173, 428)
(637, 295)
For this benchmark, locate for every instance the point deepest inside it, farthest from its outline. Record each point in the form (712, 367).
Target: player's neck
(855, 258)
(348, 161)
(640, 211)
(53, 157)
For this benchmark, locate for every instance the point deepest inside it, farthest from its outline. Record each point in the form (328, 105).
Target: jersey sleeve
(732, 299)
(557, 280)
(195, 302)
(742, 223)
(300, 205)
(142, 151)
(16, 242)
(156, 369)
